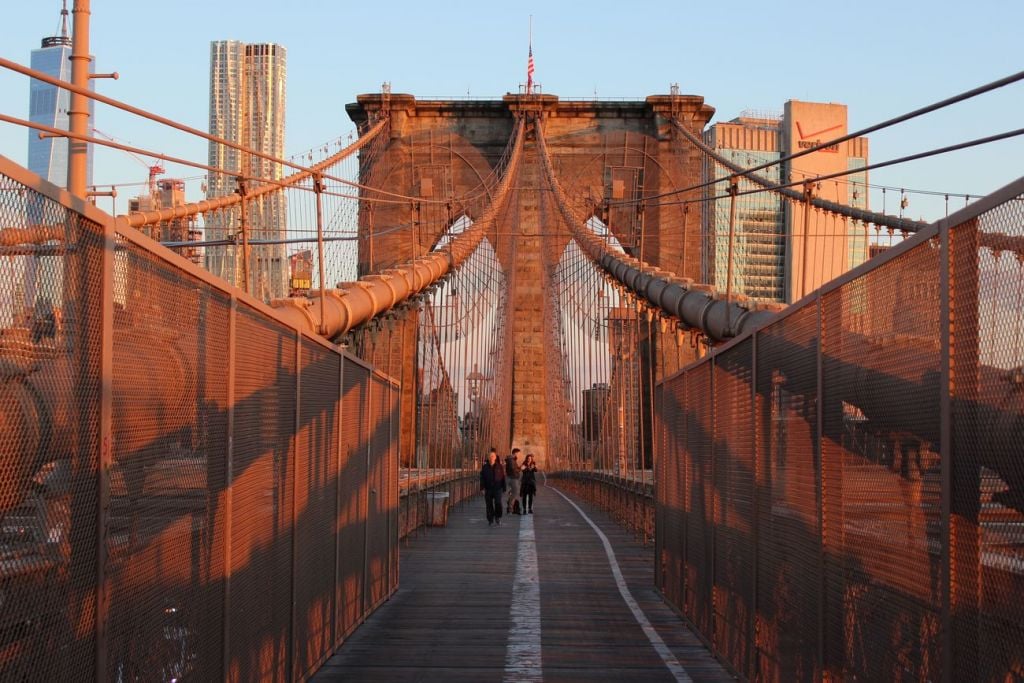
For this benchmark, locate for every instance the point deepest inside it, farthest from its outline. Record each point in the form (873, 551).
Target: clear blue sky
(879, 58)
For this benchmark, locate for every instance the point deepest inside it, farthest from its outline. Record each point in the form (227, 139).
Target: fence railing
(629, 501)
(840, 494)
(189, 487)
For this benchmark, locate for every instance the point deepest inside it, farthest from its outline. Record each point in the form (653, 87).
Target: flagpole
(529, 70)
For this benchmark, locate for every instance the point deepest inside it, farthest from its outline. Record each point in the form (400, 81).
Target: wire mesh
(699, 486)
(733, 514)
(987, 503)
(263, 468)
(788, 547)
(354, 482)
(881, 478)
(50, 350)
(378, 539)
(882, 550)
(316, 502)
(672, 480)
(232, 536)
(169, 418)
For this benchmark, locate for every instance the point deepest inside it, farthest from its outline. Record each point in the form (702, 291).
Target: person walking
(492, 483)
(529, 483)
(512, 474)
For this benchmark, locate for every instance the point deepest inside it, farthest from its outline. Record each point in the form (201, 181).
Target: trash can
(437, 508)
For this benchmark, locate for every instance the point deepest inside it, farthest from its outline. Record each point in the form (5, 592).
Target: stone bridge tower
(602, 150)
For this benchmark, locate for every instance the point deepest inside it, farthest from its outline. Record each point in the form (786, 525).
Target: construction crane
(154, 169)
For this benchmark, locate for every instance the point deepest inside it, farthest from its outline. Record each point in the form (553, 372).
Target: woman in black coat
(492, 483)
(528, 484)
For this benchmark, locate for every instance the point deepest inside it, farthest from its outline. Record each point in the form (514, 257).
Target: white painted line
(522, 656)
(674, 667)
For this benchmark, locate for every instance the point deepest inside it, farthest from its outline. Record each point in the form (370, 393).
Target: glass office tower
(49, 105)
(768, 238)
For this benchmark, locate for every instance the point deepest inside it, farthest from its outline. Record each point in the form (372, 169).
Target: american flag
(529, 72)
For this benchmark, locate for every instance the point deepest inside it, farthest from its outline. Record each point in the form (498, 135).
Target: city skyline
(900, 70)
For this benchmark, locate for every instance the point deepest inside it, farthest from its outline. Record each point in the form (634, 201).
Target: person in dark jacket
(528, 485)
(492, 483)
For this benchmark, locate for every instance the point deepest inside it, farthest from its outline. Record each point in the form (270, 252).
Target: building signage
(804, 143)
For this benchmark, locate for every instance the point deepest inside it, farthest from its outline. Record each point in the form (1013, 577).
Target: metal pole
(318, 188)
(369, 218)
(808, 196)
(733, 189)
(945, 452)
(367, 485)
(244, 227)
(229, 477)
(292, 470)
(759, 488)
(336, 621)
(78, 114)
(819, 490)
(106, 447)
(686, 225)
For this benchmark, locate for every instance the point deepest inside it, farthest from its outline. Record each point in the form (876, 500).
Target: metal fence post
(229, 476)
(755, 510)
(336, 632)
(733, 190)
(945, 448)
(368, 425)
(808, 196)
(244, 229)
(684, 514)
(819, 479)
(318, 188)
(290, 657)
(78, 113)
(105, 434)
(709, 506)
(964, 493)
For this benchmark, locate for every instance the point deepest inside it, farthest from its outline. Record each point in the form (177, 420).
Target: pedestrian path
(564, 594)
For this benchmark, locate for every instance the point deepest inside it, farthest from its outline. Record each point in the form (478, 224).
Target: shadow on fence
(839, 494)
(189, 487)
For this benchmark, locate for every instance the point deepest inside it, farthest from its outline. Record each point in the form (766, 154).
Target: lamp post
(474, 382)
(572, 437)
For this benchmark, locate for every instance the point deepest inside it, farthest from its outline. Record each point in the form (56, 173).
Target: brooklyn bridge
(778, 432)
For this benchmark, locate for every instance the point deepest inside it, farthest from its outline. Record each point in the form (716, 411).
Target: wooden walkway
(464, 613)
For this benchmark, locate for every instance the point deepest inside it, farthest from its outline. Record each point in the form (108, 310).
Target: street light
(474, 382)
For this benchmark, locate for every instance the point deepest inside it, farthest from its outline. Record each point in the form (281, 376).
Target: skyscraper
(41, 278)
(247, 107)
(768, 236)
(48, 105)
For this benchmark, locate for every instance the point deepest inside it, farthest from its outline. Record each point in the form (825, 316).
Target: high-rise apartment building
(768, 236)
(49, 105)
(247, 107)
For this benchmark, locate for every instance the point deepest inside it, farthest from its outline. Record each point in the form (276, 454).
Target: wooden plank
(450, 620)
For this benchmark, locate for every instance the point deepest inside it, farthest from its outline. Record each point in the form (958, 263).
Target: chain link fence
(840, 495)
(189, 488)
